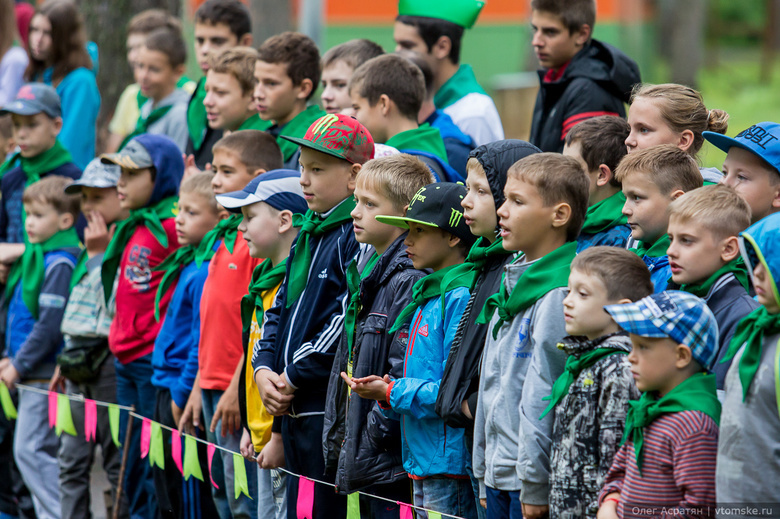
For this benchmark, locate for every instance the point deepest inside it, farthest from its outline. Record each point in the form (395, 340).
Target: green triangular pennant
(353, 506)
(434, 515)
(191, 463)
(240, 484)
(7, 402)
(64, 416)
(113, 421)
(156, 456)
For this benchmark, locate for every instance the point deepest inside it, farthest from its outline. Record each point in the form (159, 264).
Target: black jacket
(360, 444)
(597, 81)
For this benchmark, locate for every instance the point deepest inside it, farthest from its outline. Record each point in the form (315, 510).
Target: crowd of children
(585, 326)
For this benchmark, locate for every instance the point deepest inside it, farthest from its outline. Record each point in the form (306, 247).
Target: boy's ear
(285, 221)
(245, 40)
(223, 214)
(258, 172)
(353, 171)
(180, 70)
(65, 221)
(582, 34)
(624, 301)
(561, 214)
(305, 88)
(453, 240)
(441, 49)
(729, 249)
(384, 104)
(684, 356)
(57, 124)
(674, 195)
(776, 198)
(605, 175)
(406, 208)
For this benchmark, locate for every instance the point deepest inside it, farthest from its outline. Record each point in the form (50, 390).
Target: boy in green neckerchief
(668, 454)
(704, 225)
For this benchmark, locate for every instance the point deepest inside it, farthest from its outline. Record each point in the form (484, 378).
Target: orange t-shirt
(221, 343)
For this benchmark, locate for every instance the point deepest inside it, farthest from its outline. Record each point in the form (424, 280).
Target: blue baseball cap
(763, 139)
(681, 316)
(279, 188)
(35, 98)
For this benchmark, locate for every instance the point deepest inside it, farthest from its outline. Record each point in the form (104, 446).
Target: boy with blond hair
(230, 83)
(380, 285)
(338, 65)
(652, 178)
(546, 200)
(704, 257)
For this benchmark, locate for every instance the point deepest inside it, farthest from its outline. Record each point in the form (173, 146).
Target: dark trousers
(399, 491)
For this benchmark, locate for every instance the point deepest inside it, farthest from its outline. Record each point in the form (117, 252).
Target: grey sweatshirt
(174, 123)
(511, 445)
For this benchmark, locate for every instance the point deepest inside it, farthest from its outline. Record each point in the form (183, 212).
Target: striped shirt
(86, 314)
(678, 468)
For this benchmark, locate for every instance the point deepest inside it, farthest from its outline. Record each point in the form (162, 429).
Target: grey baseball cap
(34, 98)
(132, 156)
(97, 174)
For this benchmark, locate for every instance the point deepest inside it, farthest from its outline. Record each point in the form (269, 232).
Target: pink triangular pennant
(176, 449)
(146, 437)
(406, 511)
(305, 505)
(210, 448)
(90, 419)
(52, 409)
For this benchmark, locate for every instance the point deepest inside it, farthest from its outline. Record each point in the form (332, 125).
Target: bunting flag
(353, 506)
(191, 463)
(146, 437)
(240, 483)
(305, 505)
(406, 511)
(176, 449)
(52, 409)
(434, 515)
(64, 416)
(210, 449)
(90, 419)
(156, 455)
(7, 402)
(113, 422)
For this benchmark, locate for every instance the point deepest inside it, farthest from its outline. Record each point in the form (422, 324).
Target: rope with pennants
(186, 459)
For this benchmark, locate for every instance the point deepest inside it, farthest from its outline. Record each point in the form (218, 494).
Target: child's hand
(57, 382)
(483, 502)
(10, 252)
(97, 234)
(246, 447)
(371, 387)
(270, 386)
(272, 455)
(535, 511)
(9, 376)
(189, 422)
(189, 166)
(228, 411)
(608, 509)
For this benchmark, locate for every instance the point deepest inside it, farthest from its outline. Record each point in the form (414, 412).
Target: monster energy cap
(338, 135)
(437, 205)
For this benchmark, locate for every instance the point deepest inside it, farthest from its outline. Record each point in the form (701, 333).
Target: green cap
(459, 12)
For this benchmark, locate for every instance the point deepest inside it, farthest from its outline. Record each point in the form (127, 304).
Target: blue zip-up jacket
(32, 344)
(616, 236)
(301, 341)
(12, 188)
(175, 355)
(660, 272)
(429, 447)
(457, 143)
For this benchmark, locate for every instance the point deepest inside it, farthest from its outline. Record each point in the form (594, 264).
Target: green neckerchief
(265, 277)
(574, 366)
(655, 250)
(480, 252)
(750, 332)
(429, 287)
(226, 230)
(424, 138)
(34, 167)
(697, 393)
(297, 127)
(735, 266)
(197, 122)
(141, 99)
(355, 304)
(172, 266)
(545, 274)
(255, 123)
(152, 218)
(462, 83)
(80, 270)
(143, 123)
(312, 226)
(30, 268)
(605, 214)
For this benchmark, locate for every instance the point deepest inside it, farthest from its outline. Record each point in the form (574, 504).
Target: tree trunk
(269, 17)
(687, 41)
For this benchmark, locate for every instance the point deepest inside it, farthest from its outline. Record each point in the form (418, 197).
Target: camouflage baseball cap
(338, 135)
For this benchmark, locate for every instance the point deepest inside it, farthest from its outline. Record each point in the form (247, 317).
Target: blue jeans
(134, 388)
(446, 496)
(502, 504)
(242, 507)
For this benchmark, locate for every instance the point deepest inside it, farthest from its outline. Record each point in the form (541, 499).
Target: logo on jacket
(137, 270)
(424, 331)
(323, 274)
(522, 342)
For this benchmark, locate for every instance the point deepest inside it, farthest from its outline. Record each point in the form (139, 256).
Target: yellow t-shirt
(257, 417)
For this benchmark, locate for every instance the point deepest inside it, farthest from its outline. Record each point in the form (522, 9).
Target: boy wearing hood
(152, 169)
(748, 466)
(580, 77)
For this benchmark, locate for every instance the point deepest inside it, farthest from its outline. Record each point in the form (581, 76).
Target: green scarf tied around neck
(312, 226)
(355, 304)
(30, 268)
(735, 266)
(574, 366)
(697, 393)
(172, 266)
(545, 274)
(196, 115)
(42, 163)
(297, 127)
(478, 256)
(143, 123)
(605, 214)
(750, 332)
(265, 277)
(429, 287)
(152, 218)
(653, 250)
(226, 230)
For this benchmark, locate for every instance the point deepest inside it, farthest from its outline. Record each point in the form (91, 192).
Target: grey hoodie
(511, 445)
(174, 123)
